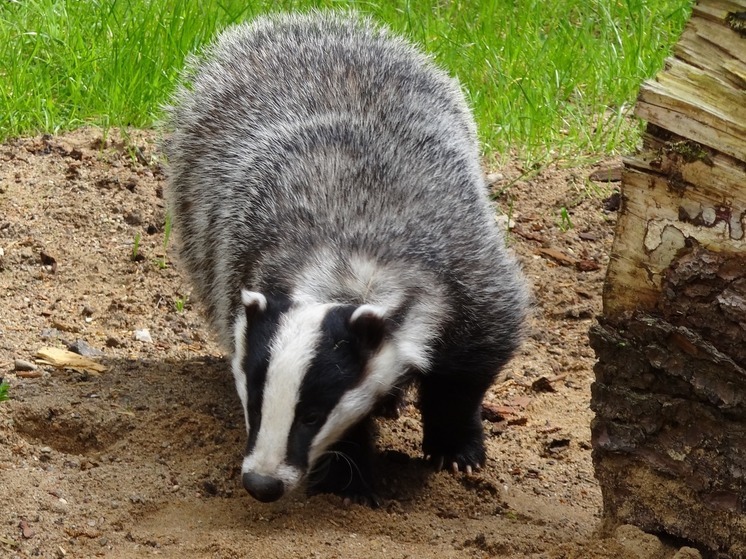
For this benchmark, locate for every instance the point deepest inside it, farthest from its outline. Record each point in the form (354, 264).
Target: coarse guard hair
(326, 191)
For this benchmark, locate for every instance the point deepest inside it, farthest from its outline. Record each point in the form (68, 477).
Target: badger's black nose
(263, 488)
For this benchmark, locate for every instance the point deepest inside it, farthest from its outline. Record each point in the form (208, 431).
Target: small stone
(111, 341)
(143, 336)
(133, 218)
(46, 450)
(493, 178)
(49, 333)
(60, 506)
(87, 311)
(613, 203)
(26, 531)
(504, 222)
(687, 553)
(81, 347)
(23, 365)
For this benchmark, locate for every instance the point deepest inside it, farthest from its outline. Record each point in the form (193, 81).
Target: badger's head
(305, 374)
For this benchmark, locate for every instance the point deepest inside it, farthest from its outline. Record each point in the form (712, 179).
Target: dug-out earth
(143, 458)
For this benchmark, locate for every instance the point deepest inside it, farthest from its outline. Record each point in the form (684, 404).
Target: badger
(326, 190)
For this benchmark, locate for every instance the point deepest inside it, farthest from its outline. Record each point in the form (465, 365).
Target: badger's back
(306, 147)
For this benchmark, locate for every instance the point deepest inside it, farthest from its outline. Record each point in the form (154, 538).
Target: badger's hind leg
(346, 469)
(451, 408)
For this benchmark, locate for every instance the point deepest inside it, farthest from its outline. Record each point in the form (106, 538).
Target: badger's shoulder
(281, 69)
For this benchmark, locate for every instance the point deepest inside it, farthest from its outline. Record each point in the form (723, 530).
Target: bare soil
(143, 459)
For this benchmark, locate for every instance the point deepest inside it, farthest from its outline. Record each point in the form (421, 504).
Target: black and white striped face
(305, 374)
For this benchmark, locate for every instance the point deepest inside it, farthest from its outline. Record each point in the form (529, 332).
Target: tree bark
(669, 434)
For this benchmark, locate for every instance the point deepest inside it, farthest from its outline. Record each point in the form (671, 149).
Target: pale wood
(700, 97)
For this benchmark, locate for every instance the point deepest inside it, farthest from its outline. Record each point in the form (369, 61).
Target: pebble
(59, 506)
(687, 553)
(111, 341)
(23, 365)
(81, 347)
(49, 333)
(504, 222)
(493, 178)
(133, 218)
(143, 336)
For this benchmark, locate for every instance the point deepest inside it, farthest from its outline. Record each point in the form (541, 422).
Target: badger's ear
(254, 302)
(368, 323)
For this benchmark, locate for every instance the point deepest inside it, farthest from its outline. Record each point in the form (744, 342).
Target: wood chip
(494, 413)
(607, 174)
(63, 359)
(557, 255)
(587, 265)
(529, 235)
(588, 236)
(29, 374)
(10, 542)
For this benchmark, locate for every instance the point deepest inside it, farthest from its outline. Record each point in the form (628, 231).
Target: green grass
(135, 254)
(546, 78)
(4, 390)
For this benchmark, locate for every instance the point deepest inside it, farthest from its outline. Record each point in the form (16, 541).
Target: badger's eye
(311, 418)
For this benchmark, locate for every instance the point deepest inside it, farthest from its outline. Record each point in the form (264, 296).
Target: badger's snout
(263, 488)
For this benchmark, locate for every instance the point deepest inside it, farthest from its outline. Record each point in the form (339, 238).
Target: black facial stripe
(338, 365)
(259, 333)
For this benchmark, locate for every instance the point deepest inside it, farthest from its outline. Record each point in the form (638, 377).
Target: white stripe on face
(239, 352)
(408, 350)
(291, 354)
(259, 304)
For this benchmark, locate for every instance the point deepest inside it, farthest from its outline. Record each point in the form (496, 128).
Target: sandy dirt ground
(143, 458)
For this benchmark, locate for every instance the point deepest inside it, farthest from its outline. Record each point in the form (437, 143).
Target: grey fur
(320, 157)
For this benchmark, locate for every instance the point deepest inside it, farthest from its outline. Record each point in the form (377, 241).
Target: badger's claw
(367, 500)
(455, 464)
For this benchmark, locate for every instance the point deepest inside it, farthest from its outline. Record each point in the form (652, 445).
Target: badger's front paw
(465, 455)
(351, 488)
(368, 499)
(345, 474)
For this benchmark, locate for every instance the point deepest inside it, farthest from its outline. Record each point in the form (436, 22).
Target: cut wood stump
(669, 434)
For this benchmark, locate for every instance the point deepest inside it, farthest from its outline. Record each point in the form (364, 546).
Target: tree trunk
(669, 434)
